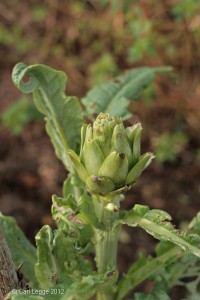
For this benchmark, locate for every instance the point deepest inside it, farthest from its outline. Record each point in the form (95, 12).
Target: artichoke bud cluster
(110, 159)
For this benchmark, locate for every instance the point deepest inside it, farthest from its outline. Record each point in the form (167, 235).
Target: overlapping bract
(110, 160)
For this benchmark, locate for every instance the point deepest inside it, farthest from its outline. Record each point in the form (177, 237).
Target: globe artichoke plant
(110, 159)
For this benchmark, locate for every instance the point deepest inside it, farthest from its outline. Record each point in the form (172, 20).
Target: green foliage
(157, 293)
(8, 37)
(157, 223)
(59, 262)
(102, 69)
(185, 9)
(39, 12)
(89, 285)
(141, 46)
(170, 267)
(145, 267)
(114, 97)
(16, 116)
(63, 114)
(169, 145)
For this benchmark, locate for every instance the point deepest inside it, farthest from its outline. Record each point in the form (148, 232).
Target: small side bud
(98, 185)
(111, 207)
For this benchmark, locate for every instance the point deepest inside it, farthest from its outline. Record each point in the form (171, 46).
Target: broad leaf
(22, 250)
(114, 97)
(156, 223)
(59, 262)
(63, 114)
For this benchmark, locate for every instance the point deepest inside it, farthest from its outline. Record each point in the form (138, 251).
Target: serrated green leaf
(87, 211)
(170, 265)
(22, 251)
(64, 212)
(89, 286)
(114, 97)
(59, 262)
(145, 267)
(49, 264)
(63, 114)
(67, 214)
(159, 226)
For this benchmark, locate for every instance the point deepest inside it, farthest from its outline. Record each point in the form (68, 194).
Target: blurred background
(93, 41)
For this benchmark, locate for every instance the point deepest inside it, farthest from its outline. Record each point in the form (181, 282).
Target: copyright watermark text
(40, 292)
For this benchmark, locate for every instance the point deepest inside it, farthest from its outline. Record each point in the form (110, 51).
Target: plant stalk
(106, 240)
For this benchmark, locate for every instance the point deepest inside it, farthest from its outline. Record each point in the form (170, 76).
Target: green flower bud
(115, 167)
(110, 158)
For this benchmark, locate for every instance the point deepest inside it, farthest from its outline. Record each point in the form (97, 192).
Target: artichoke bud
(115, 167)
(79, 168)
(120, 143)
(110, 159)
(99, 185)
(137, 170)
(92, 157)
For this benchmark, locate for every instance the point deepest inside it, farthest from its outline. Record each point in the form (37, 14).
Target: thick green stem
(106, 240)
